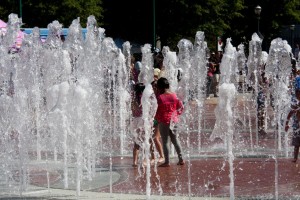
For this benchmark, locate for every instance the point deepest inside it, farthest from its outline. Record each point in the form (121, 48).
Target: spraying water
(198, 78)
(224, 129)
(278, 68)
(67, 104)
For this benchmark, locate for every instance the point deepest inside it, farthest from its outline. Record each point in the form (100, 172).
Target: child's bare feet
(161, 160)
(152, 161)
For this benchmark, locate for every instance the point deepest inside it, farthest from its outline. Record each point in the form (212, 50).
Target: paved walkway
(259, 171)
(201, 178)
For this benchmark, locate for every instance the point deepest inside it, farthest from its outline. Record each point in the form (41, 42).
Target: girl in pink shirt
(169, 107)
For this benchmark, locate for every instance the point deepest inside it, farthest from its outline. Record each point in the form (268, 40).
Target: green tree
(82, 9)
(182, 19)
(40, 13)
(128, 20)
(7, 7)
(233, 19)
(275, 15)
(174, 19)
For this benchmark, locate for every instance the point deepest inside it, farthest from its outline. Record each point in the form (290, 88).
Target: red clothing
(169, 107)
(210, 70)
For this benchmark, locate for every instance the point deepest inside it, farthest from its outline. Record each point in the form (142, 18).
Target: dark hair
(139, 88)
(293, 61)
(163, 83)
(62, 37)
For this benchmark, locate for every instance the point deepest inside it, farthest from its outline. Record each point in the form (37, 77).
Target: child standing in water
(169, 107)
(295, 113)
(137, 121)
(137, 128)
(156, 135)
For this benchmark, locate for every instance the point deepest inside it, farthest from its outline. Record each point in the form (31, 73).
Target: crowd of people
(169, 106)
(294, 113)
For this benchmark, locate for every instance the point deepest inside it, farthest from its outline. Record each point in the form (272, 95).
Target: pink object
(169, 107)
(20, 36)
(2, 27)
(2, 24)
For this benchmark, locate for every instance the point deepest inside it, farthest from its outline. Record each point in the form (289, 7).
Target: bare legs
(136, 149)
(156, 140)
(158, 146)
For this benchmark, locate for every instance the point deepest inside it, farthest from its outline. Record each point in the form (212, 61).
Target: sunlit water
(65, 106)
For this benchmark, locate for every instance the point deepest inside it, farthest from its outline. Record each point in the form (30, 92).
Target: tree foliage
(40, 13)
(226, 18)
(182, 19)
(142, 21)
(129, 20)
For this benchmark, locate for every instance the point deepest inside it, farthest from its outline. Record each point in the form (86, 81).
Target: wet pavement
(260, 171)
(209, 177)
(200, 178)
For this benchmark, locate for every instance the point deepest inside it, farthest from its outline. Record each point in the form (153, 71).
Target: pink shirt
(210, 70)
(169, 107)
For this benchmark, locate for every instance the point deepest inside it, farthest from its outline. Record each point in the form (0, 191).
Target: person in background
(132, 70)
(210, 73)
(263, 86)
(295, 92)
(62, 37)
(216, 74)
(137, 65)
(296, 52)
(295, 113)
(169, 107)
(261, 104)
